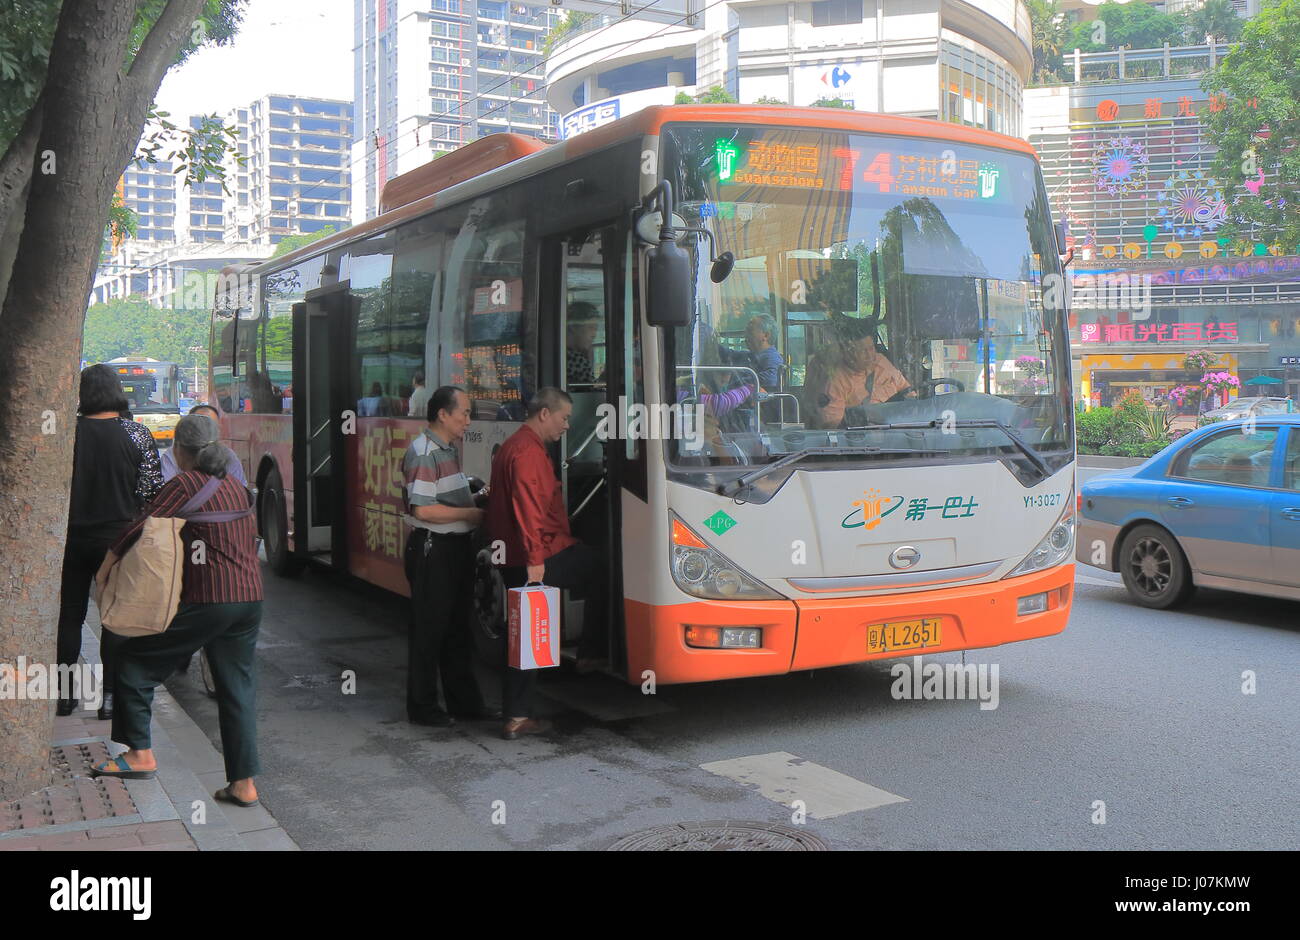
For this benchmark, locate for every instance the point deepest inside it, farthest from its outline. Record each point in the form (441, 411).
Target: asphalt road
(1142, 711)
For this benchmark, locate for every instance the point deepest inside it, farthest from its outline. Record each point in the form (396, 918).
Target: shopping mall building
(1127, 161)
(956, 60)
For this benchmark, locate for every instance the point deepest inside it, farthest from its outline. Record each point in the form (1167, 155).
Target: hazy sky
(301, 47)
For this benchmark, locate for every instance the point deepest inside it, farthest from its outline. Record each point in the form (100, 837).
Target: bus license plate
(903, 635)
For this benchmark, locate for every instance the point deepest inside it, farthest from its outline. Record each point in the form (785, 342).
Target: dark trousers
(229, 633)
(440, 569)
(585, 571)
(82, 557)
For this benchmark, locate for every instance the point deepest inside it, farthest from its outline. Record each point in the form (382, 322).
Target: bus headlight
(703, 571)
(1054, 549)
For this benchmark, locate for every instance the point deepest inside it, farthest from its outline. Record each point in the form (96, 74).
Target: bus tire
(488, 619)
(274, 518)
(1154, 568)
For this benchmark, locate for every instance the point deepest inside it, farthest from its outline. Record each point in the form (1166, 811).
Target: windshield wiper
(744, 482)
(1032, 455)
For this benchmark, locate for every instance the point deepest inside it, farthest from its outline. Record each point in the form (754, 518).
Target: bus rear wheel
(274, 517)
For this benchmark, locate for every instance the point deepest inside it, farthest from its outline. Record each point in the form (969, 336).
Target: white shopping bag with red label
(533, 615)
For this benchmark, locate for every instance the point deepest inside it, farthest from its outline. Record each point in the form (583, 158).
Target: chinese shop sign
(1158, 332)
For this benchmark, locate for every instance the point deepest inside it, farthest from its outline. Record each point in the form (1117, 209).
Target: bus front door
(322, 328)
(588, 314)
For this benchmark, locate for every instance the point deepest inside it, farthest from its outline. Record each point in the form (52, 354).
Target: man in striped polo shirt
(440, 567)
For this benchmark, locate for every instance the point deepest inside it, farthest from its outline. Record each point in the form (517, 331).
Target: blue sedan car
(1219, 508)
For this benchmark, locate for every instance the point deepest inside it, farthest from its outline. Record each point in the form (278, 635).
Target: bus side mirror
(668, 284)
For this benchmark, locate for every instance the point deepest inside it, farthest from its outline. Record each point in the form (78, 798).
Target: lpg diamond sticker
(719, 522)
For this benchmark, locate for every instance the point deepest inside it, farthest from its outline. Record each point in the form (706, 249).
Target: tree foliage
(569, 23)
(1258, 144)
(133, 327)
(294, 242)
(715, 95)
(26, 32)
(1130, 26)
(1214, 18)
(1049, 31)
(832, 103)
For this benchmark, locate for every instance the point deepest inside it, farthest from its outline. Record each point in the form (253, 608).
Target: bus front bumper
(816, 634)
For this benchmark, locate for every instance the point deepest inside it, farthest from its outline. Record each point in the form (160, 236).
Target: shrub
(1093, 429)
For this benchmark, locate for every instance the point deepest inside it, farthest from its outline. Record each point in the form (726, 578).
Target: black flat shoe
(66, 707)
(106, 707)
(225, 796)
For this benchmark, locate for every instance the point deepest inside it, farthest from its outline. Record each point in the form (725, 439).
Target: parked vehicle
(1245, 407)
(1218, 508)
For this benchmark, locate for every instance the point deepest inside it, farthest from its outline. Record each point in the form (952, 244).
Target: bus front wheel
(274, 516)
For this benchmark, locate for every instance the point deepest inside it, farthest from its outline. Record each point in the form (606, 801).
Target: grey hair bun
(197, 435)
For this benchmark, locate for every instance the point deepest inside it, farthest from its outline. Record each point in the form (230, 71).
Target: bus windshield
(886, 302)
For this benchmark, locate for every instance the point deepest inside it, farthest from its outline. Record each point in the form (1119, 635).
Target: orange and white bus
(822, 411)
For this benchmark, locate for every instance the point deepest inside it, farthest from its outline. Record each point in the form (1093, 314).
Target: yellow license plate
(904, 635)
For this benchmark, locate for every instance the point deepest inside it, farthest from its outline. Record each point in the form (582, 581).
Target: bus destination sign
(763, 163)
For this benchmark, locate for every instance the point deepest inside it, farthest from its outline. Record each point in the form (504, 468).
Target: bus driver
(853, 374)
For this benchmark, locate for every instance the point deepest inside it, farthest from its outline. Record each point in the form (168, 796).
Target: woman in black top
(115, 473)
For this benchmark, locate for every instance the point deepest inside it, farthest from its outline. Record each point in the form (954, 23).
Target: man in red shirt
(526, 512)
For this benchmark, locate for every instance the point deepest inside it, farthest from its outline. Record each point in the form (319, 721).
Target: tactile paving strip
(75, 797)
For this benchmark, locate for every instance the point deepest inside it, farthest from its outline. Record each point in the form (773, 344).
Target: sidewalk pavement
(174, 811)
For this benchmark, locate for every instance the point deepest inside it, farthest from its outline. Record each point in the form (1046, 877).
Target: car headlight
(1055, 548)
(703, 571)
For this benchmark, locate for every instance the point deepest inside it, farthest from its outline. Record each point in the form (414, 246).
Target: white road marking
(785, 778)
(1084, 579)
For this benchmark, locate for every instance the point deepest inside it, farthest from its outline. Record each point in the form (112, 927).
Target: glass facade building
(977, 87)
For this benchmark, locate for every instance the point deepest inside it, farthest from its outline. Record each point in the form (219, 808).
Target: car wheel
(1154, 568)
(274, 517)
(489, 617)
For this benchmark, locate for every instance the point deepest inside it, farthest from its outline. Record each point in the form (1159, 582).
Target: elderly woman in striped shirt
(220, 610)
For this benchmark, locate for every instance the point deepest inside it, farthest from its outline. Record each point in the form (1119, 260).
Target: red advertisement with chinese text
(533, 615)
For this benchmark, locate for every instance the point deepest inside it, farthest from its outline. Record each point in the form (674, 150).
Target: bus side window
(369, 270)
(417, 291)
(486, 292)
(223, 358)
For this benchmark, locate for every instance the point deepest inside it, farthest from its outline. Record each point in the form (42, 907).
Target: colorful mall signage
(1157, 332)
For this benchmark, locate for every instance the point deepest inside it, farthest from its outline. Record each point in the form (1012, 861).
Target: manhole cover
(720, 837)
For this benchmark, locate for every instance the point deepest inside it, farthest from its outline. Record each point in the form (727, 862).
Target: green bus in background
(153, 392)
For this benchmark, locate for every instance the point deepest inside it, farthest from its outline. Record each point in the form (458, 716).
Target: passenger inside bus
(851, 373)
(583, 327)
(760, 339)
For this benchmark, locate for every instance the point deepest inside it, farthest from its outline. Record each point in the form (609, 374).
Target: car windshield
(880, 284)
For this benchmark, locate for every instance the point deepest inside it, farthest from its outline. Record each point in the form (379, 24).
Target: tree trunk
(92, 115)
(16, 168)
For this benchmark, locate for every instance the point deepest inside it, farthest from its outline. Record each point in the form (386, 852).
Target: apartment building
(431, 75)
